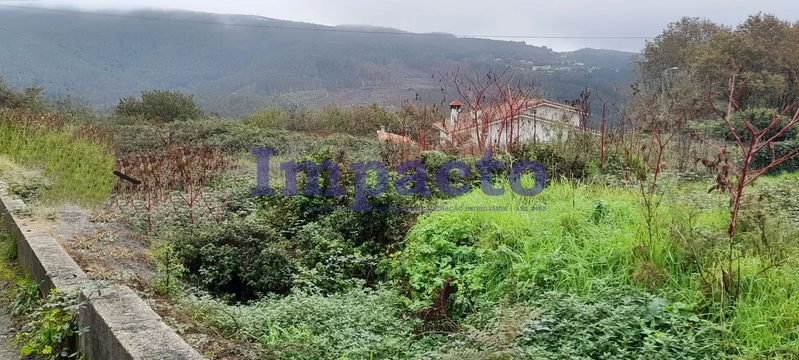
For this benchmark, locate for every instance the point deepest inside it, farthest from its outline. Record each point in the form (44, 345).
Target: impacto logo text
(486, 165)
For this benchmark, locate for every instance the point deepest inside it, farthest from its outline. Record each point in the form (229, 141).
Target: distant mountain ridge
(237, 63)
(371, 28)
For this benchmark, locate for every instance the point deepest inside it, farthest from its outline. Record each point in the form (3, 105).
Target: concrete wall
(121, 325)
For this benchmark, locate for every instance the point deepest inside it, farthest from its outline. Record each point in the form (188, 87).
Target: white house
(524, 119)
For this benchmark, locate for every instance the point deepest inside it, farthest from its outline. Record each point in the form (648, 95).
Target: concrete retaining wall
(121, 325)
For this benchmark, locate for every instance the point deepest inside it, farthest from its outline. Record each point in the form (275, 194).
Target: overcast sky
(625, 18)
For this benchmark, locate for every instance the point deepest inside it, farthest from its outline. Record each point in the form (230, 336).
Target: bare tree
(604, 103)
(583, 102)
(417, 119)
(514, 99)
(496, 98)
(734, 176)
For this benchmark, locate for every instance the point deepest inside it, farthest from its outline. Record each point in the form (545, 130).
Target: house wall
(539, 123)
(550, 112)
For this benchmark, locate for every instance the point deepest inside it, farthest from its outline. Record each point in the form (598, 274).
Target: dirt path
(103, 248)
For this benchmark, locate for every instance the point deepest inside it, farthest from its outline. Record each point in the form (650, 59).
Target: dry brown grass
(12, 172)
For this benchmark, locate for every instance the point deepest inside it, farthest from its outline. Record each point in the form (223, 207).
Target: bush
(269, 118)
(558, 164)
(358, 120)
(29, 191)
(241, 258)
(759, 118)
(433, 160)
(616, 322)
(488, 253)
(286, 248)
(29, 99)
(235, 137)
(327, 262)
(162, 105)
(52, 330)
(764, 157)
(326, 249)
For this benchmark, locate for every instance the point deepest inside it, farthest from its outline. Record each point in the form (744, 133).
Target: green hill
(236, 63)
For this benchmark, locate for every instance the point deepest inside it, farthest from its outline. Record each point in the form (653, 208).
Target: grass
(13, 172)
(80, 172)
(574, 248)
(590, 238)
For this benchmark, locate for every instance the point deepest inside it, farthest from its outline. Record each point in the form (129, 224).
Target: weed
(357, 324)
(8, 247)
(52, 328)
(29, 191)
(600, 210)
(25, 296)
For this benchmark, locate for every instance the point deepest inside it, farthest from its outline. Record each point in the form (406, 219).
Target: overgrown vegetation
(664, 238)
(78, 168)
(51, 331)
(48, 326)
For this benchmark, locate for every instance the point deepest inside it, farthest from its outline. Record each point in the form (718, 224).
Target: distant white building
(522, 120)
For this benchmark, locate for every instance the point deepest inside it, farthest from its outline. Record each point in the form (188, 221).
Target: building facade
(522, 120)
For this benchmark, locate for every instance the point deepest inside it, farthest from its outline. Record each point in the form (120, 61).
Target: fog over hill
(237, 63)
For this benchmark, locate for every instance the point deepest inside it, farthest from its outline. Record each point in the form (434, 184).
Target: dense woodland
(234, 70)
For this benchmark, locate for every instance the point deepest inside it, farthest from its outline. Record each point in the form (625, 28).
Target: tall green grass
(79, 171)
(590, 237)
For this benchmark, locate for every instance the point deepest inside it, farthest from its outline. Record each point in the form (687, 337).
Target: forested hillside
(234, 64)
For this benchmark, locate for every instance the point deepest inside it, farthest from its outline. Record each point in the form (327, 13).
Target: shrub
(162, 105)
(241, 258)
(558, 163)
(616, 322)
(8, 247)
(759, 118)
(764, 157)
(358, 120)
(326, 249)
(433, 160)
(52, 330)
(269, 118)
(29, 99)
(487, 253)
(29, 191)
(327, 263)
(235, 137)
